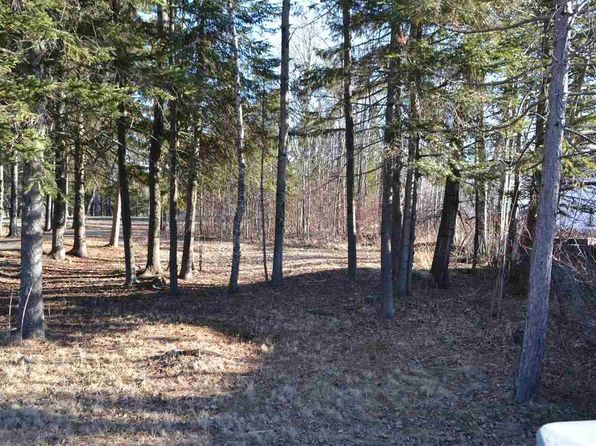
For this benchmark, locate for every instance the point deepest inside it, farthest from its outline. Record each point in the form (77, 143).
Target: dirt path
(310, 364)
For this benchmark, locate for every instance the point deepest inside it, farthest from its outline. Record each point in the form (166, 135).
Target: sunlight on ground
(310, 364)
(137, 381)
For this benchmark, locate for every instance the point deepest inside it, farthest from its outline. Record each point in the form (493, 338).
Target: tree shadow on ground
(320, 367)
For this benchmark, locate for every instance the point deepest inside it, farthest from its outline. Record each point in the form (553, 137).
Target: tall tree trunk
(79, 248)
(30, 315)
(173, 164)
(539, 132)
(90, 210)
(164, 219)
(403, 269)
(337, 205)
(346, 6)
(479, 196)
(532, 217)
(187, 264)
(240, 203)
(440, 267)
(396, 138)
(396, 218)
(512, 229)
(389, 192)
(506, 254)
(199, 234)
(262, 195)
(387, 306)
(116, 215)
(404, 249)
(188, 246)
(129, 260)
(534, 345)
(123, 176)
(153, 266)
(282, 148)
(66, 196)
(173, 196)
(414, 216)
(96, 209)
(13, 227)
(502, 230)
(304, 198)
(61, 160)
(48, 216)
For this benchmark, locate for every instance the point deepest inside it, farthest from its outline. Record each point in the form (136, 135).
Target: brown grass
(310, 364)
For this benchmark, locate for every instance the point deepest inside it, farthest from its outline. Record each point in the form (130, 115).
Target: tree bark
(13, 227)
(66, 195)
(396, 139)
(48, 215)
(173, 164)
(534, 345)
(407, 227)
(240, 202)
(199, 234)
(96, 209)
(390, 190)
(304, 197)
(387, 306)
(31, 322)
(116, 215)
(61, 163)
(541, 112)
(506, 254)
(414, 216)
(164, 219)
(479, 197)
(346, 6)
(187, 264)
(129, 260)
(262, 195)
(31, 317)
(396, 225)
(79, 248)
(90, 210)
(282, 148)
(512, 229)
(173, 196)
(153, 266)
(440, 267)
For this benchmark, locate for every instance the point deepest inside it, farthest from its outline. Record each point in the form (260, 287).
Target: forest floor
(310, 364)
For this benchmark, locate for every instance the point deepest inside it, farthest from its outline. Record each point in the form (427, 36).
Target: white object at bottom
(567, 433)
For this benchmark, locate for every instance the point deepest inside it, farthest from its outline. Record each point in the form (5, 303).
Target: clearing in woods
(311, 364)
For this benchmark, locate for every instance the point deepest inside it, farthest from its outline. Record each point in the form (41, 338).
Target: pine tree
(282, 151)
(534, 344)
